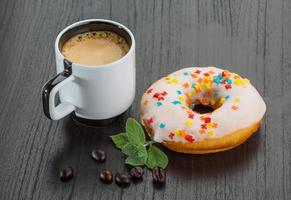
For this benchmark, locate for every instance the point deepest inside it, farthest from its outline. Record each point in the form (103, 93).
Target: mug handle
(49, 92)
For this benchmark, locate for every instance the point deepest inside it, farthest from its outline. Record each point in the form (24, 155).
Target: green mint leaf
(119, 140)
(134, 132)
(133, 161)
(156, 158)
(136, 151)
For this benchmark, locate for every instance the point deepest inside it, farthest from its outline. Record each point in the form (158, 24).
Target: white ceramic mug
(91, 92)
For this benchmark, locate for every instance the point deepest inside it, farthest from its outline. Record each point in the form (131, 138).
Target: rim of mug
(78, 23)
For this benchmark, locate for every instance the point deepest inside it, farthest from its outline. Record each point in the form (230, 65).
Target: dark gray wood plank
(251, 37)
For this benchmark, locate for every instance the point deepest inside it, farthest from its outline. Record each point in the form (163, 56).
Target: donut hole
(209, 101)
(202, 109)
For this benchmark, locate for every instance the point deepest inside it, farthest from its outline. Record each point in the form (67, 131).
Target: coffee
(95, 48)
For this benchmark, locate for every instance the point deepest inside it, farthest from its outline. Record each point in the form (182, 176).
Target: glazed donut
(169, 117)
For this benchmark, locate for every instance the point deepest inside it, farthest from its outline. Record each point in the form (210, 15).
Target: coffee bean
(66, 174)
(98, 155)
(105, 176)
(159, 175)
(122, 179)
(136, 172)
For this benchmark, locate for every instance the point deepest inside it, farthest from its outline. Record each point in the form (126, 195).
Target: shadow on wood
(81, 140)
(215, 164)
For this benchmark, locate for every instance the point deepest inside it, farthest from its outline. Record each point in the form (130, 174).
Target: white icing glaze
(163, 112)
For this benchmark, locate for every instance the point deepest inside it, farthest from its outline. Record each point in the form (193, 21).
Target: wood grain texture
(250, 37)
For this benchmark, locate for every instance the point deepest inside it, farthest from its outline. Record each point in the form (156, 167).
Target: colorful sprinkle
(209, 126)
(214, 125)
(188, 123)
(237, 82)
(225, 73)
(197, 87)
(162, 125)
(179, 92)
(183, 133)
(159, 103)
(176, 102)
(229, 81)
(149, 90)
(191, 115)
(177, 132)
(185, 73)
(217, 81)
(203, 126)
(174, 80)
(150, 120)
(171, 135)
(234, 107)
(220, 76)
(164, 93)
(236, 100)
(170, 80)
(197, 71)
(183, 107)
(202, 132)
(181, 99)
(160, 96)
(226, 97)
(186, 85)
(207, 119)
(210, 133)
(156, 95)
(194, 75)
(145, 102)
(227, 86)
(189, 138)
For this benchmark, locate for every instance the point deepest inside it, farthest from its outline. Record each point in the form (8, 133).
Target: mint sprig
(139, 152)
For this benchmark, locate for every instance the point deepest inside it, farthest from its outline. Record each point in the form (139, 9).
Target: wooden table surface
(250, 37)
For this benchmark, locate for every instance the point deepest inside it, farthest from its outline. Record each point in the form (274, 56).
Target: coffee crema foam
(95, 48)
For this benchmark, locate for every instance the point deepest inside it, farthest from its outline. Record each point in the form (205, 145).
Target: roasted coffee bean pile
(122, 179)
